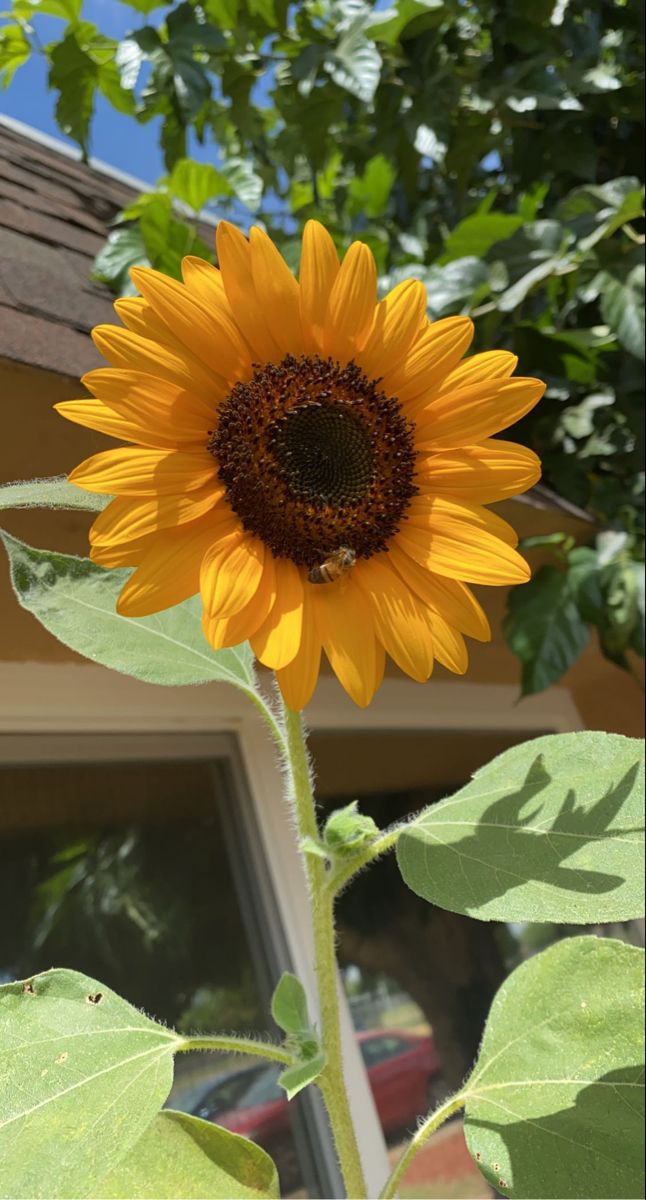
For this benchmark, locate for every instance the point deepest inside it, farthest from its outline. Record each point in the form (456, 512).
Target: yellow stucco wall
(36, 442)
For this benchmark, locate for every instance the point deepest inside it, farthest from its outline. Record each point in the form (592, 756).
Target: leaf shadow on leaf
(591, 1149)
(532, 852)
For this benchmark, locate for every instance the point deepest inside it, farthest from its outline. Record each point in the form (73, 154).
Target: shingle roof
(55, 213)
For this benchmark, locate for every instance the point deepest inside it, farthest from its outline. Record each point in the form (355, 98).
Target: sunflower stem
(331, 1080)
(437, 1118)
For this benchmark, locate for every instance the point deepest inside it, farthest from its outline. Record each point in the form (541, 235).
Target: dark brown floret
(313, 457)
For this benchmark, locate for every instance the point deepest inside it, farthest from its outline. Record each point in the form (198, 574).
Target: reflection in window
(124, 871)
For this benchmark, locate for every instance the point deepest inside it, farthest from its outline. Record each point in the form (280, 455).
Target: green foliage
(84, 1075)
(289, 1010)
(54, 492)
(551, 830)
(555, 1104)
(75, 600)
(179, 1155)
(68, 1047)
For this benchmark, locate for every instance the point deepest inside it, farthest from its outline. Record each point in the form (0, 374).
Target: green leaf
(555, 1104)
(289, 1005)
(544, 628)
(75, 600)
(243, 181)
(55, 492)
(180, 1155)
(347, 830)
(355, 63)
(294, 1079)
(476, 235)
(74, 74)
(83, 1074)
(370, 192)
(450, 287)
(551, 830)
(194, 183)
(622, 302)
(407, 18)
(144, 6)
(124, 248)
(14, 51)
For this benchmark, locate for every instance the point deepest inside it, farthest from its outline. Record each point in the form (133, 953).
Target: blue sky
(116, 139)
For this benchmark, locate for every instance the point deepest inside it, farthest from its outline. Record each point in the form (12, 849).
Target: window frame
(84, 702)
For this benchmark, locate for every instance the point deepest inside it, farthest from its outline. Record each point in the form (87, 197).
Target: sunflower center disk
(314, 457)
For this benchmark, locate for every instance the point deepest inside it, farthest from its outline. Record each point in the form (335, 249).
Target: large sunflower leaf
(82, 1075)
(551, 830)
(555, 1105)
(76, 601)
(183, 1156)
(52, 492)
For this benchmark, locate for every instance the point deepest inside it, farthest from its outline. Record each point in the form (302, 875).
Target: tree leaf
(406, 18)
(75, 600)
(124, 248)
(622, 303)
(551, 830)
(179, 1155)
(555, 1104)
(476, 235)
(54, 492)
(355, 63)
(544, 628)
(194, 183)
(294, 1079)
(15, 50)
(289, 1005)
(83, 1074)
(243, 181)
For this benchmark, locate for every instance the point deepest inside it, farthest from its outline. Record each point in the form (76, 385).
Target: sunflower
(312, 461)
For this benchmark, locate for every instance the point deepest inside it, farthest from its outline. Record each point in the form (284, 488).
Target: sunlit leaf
(54, 492)
(551, 830)
(76, 601)
(555, 1105)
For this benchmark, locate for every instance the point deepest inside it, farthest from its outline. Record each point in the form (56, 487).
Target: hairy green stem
(441, 1114)
(237, 1045)
(331, 1080)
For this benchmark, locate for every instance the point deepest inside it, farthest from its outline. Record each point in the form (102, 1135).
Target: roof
(55, 214)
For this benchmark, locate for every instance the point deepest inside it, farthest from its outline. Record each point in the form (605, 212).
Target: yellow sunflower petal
(231, 631)
(398, 320)
(433, 512)
(492, 364)
(483, 473)
(318, 270)
(449, 646)
(351, 307)
(472, 414)
(400, 620)
(452, 600)
(129, 471)
(129, 554)
(230, 575)
(206, 283)
(211, 336)
(234, 257)
(298, 679)
(346, 628)
(169, 571)
(278, 639)
(463, 551)
(437, 349)
(126, 519)
(139, 317)
(124, 348)
(152, 412)
(277, 291)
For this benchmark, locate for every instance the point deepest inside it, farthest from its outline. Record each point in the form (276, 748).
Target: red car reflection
(404, 1071)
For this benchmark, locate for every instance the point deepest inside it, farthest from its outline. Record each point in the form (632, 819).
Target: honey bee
(335, 567)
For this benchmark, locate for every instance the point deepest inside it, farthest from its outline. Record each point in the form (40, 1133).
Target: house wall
(37, 442)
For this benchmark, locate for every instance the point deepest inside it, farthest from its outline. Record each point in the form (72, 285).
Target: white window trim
(78, 699)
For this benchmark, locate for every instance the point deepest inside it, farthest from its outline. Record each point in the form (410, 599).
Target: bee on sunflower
(311, 460)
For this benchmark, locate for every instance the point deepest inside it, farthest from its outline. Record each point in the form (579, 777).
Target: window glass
(128, 872)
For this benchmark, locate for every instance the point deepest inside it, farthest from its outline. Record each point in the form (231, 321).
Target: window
(131, 868)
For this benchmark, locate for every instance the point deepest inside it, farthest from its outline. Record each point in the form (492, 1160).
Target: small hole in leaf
(62, 1057)
(478, 1156)
(28, 988)
(95, 997)
(502, 1183)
